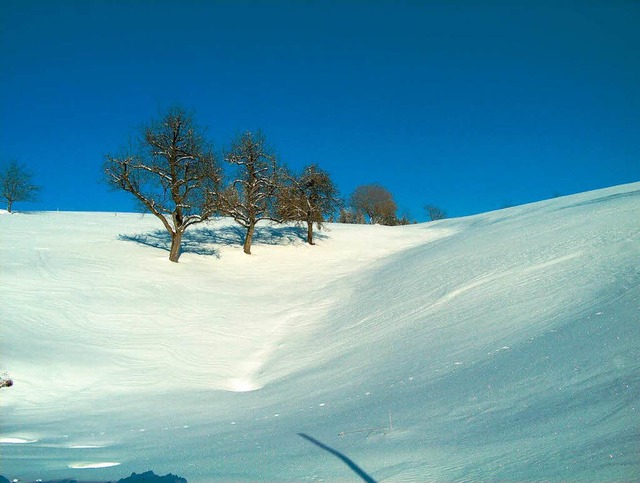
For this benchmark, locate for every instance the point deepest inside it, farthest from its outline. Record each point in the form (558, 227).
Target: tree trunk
(9, 203)
(310, 233)
(248, 238)
(176, 242)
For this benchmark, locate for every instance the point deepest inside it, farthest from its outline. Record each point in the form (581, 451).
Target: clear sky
(469, 105)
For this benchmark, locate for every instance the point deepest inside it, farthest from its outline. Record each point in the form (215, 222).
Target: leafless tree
(174, 174)
(16, 184)
(435, 213)
(309, 198)
(253, 194)
(375, 201)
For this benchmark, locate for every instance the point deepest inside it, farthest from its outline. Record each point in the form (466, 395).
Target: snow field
(504, 345)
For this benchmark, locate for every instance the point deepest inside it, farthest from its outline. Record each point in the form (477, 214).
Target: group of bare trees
(173, 172)
(373, 203)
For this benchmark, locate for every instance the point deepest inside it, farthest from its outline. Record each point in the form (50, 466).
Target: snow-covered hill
(499, 346)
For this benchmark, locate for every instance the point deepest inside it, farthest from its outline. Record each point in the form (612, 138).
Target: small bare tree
(375, 201)
(174, 174)
(309, 198)
(253, 195)
(435, 213)
(16, 184)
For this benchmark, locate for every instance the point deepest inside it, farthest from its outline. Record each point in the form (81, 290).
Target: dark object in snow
(346, 460)
(147, 477)
(5, 383)
(151, 477)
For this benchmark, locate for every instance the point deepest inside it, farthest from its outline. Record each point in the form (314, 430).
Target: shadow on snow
(341, 456)
(202, 241)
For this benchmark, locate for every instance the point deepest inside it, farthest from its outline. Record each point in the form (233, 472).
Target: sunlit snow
(86, 466)
(499, 346)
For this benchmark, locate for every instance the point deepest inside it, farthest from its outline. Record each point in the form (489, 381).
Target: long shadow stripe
(354, 467)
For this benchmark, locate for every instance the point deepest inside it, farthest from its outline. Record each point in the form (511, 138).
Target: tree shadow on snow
(341, 456)
(162, 240)
(202, 241)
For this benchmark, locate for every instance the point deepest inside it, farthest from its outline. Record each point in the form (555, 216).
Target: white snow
(502, 346)
(86, 466)
(16, 441)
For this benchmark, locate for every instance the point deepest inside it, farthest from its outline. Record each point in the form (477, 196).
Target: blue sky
(467, 105)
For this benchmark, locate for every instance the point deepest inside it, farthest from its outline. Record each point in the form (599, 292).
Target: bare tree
(309, 198)
(435, 213)
(375, 201)
(16, 184)
(174, 174)
(253, 194)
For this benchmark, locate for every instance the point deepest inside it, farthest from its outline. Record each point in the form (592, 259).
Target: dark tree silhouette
(253, 195)
(435, 213)
(151, 477)
(405, 219)
(16, 184)
(173, 174)
(309, 198)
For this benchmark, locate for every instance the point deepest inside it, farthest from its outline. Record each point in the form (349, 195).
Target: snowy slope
(504, 345)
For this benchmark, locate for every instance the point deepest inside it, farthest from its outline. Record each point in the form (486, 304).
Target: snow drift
(499, 346)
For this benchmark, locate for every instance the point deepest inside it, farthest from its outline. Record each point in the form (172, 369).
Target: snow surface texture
(498, 346)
